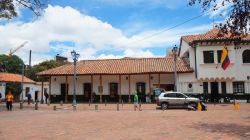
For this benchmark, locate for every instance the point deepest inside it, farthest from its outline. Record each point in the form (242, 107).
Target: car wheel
(194, 105)
(164, 106)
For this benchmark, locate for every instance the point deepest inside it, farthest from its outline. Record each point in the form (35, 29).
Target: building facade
(114, 80)
(198, 72)
(203, 53)
(36, 89)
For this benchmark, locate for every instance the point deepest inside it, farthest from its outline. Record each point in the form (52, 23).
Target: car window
(178, 95)
(170, 95)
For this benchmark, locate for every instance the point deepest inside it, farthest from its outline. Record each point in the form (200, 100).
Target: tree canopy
(11, 64)
(8, 7)
(31, 72)
(238, 15)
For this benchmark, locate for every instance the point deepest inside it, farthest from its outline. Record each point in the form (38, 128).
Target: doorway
(87, 91)
(63, 91)
(214, 92)
(113, 91)
(141, 91)
(36, 96)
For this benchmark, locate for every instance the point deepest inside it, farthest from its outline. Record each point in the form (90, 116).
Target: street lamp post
(174, 50)
(75, 57)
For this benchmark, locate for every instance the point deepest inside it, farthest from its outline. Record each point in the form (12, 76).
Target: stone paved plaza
(219, 122)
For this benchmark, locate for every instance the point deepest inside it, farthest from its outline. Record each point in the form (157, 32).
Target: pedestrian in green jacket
(135, 100)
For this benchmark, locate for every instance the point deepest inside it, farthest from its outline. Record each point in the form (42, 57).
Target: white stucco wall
(56, 82)
(33, 89)
(237, 70)
(2, 89)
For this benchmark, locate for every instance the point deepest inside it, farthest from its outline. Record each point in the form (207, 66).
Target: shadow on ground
(228, 129)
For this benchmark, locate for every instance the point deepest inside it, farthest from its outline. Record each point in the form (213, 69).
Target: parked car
(175, 99)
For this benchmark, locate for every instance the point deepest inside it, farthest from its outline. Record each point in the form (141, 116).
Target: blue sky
(100, 29)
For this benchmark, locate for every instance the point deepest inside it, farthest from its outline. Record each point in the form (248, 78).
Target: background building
(29, 86)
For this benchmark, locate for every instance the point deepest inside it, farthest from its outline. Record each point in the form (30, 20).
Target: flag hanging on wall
(225, 61)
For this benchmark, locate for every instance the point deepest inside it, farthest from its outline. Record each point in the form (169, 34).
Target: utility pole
(174, 50)
(21, 103)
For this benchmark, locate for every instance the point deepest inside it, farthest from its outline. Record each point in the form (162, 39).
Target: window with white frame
(238, 87)
(208, 57)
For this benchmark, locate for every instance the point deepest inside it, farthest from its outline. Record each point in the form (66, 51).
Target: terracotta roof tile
(10, 77)
(211, 35)
(120, 66)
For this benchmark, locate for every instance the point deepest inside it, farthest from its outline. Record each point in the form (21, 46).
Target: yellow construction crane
(22, 45)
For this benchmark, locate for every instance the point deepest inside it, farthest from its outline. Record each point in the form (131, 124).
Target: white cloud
(221, 10)
(88, 34)
(170, 4)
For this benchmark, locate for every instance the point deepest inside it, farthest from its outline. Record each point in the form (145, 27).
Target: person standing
(46, 97)
(135, 101)
(9, 100)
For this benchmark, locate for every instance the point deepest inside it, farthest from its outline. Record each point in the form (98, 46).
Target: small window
(219, 52)
(172, 95)
(246, 56)
(238, 87)
(208, 56)
(190, 85)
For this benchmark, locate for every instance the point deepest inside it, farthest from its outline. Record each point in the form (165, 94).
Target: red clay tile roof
(120, 66)
(10, 77)
(212, 35)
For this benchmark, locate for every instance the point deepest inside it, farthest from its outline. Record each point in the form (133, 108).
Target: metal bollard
(36, 106)
(96, 107)
(21, 105)
(89, 102)
(61, 103)
(118, 107)
(54, 107)
(140, 107)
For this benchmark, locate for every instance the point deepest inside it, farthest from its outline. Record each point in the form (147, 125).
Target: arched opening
(246, 56)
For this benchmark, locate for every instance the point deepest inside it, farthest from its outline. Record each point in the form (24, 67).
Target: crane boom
(22, 45)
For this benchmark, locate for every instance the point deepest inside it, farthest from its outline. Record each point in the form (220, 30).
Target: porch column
(42, 94)
(50, 89)
(129, 90)
(159, 80)
(101, 89)
(91, 89)
(66, 93)
(120, 88)
(149, 86)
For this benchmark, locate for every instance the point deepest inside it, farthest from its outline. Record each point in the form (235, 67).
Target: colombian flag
(225, 61)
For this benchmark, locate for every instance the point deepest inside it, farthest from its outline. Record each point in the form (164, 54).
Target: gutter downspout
(196, 75)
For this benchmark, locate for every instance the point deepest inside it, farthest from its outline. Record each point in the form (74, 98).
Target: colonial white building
(203, 53)
(198, 71)
(36, 89)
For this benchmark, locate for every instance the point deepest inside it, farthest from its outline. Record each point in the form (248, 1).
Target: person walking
(9, 100)
(46, 97)
(29, 98)
(135, 101)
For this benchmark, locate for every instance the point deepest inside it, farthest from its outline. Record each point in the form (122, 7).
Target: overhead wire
(177, 25)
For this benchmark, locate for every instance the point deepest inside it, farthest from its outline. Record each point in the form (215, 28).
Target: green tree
(8, 7)
(11, 64)
(238, 14)
(31, 72)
